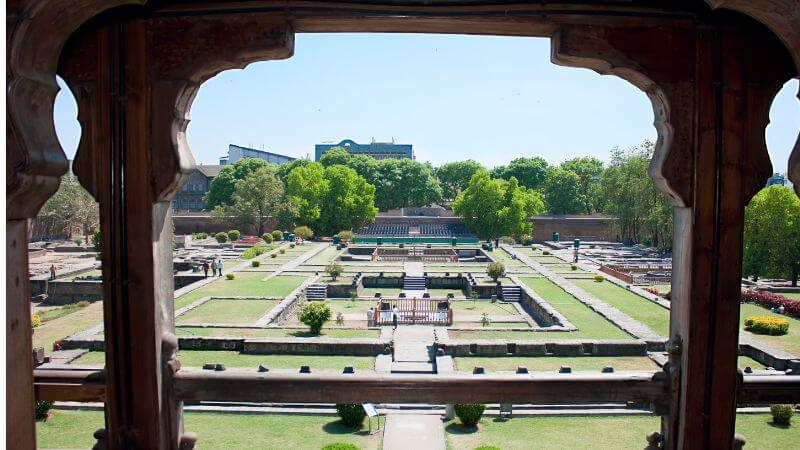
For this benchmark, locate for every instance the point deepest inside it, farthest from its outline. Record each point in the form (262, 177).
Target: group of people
(371, 316)
(215, 265)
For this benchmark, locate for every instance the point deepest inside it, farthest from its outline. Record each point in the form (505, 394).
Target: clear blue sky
(491, 99)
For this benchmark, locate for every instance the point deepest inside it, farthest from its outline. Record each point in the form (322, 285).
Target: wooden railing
(233, 386)
(414, 311)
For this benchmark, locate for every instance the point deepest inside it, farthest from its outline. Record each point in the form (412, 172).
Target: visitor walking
(214, 266)
(205, 267)
(219, 267)
(52, 271)
(575, 256)
(395, 311)
(370, 313)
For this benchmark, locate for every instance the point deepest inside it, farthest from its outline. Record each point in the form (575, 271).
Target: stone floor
(413, 432)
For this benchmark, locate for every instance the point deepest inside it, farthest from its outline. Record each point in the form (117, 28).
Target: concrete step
(413, 367)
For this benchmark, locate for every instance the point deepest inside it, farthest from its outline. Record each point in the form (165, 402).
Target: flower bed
(770, 300)
(774, 326)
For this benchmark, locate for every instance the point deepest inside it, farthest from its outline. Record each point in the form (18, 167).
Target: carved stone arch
(607, 52)
(782, 17)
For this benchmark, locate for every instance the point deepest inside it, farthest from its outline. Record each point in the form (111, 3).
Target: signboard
(370, 409)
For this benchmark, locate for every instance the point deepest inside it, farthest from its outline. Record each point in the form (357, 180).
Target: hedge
(774, 326)
(770, 300)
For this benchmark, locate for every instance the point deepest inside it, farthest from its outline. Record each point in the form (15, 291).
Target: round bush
(304, 232)
(221, 237)
(234, 235)
(267, 238)
(774, 326)
(291, 245)
(277, 235)
(352, 414)
(782, 414)
(527, 240)
(345, 235)
(495, 270)
(341, 446)
(274, 255)
(283, 250)
(35, 320)
(469, 413)
(545, 252)
(42, 409)
(315, 314)
(230, 276)
(255, 263)
(573, 267)
(599, 278)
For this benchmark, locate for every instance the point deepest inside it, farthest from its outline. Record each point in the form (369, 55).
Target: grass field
(639, 308)
(591, 432)
(478, 325)
(746, 361)
(590, 324)
(53, 330)
(348, 307)
(324, 256)
(551, 363)
(789, 341)
(196, 358)
(792, 295)
(245, 284)
(54, 313)
(73, 429)
(478, 307)
(273, 332)
(228, 311)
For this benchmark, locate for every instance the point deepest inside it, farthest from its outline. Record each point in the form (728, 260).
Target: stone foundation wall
(559, 348)
(315, 346)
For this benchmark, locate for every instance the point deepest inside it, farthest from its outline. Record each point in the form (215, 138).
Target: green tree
(255, 198)
(405, 183)
(772, 235)
(642, 212)
(349, 201)
(366, 166)
(589, 170)
(493, 208)
(562, 191)
(315, 314)
(530, 172)
(70, 210)
(495, 270)
(307, 186)
(285, 169)
(334, 156)
(454, 177)
(220, 192)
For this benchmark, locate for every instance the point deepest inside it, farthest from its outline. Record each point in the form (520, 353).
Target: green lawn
(789, 342)
(53, 330)
(196, 358)
(54, 313)
(73, 429)
(324, 256)
(639, 308)
(794, 295)
(478, 325)
(348, 307)
(590, 324)
(245, 284)
(746, 361)
(612, 432)
(662, 288)
(551, 363)
(478, 307)
(228, 311)
(386, 292)
(503, 257)
(274, 332)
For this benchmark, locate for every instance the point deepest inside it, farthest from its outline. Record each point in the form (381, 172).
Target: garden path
(413, 431)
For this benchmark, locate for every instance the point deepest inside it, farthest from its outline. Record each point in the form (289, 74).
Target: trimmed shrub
(97, 239)
(352, 414)
(277, 236)
(234, 235)
(230, 276)
(291, 245)
(42, 409)
(82, 304)
(526, 240)
(304, 232)
(770, 299)
(314, 314)
(782, 414)
(599, 278)
(574, 267)
(221, 237)
(199, 236)
(78, 241)
(282, 251)
(469, 413)
(545, 252)
(507, 240)
(345, 235)
(341, 446)
(252, 252)
(255, 263)
(495, 270)
(274, 255)
(36, 320)
(774, 326)
(267, 238)
(334, 270)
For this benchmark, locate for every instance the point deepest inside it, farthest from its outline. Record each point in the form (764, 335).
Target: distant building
(236, 152)
(191, 196)
(776, 179)
(378, 150)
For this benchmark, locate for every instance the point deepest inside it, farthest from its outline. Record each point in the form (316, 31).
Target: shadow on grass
(779, 425)
(305, 334)
(337, 427)
(457, 428)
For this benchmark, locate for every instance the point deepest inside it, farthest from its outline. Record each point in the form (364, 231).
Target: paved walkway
(413, 343)
(414, 269)
(413, 432)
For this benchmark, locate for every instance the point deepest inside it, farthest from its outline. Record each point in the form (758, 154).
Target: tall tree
(493, 207)
(336, 155)
(589, 170)
(562, 190)
(307, 187)
(529, 172)
(255, 199)
(349, 201)
(70, 210)
(220, 191)
(454, 177)
(405, 183)
(366, 166)
(772, 234)
(285, 169)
